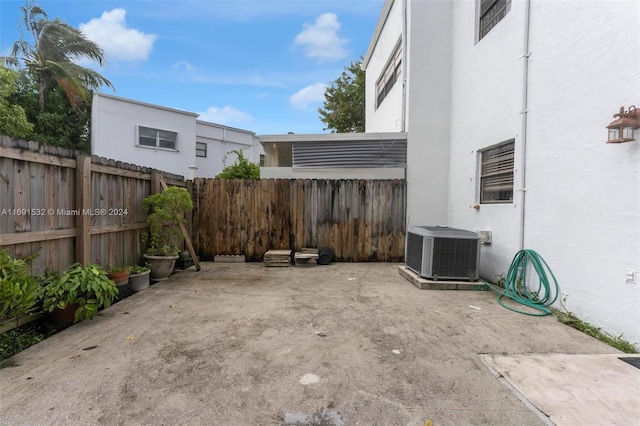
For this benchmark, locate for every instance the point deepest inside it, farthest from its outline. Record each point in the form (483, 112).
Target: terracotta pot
(119, 277)
(64, 316)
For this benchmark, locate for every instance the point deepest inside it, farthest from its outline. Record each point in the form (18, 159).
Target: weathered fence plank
(360, 220)
(78, 208)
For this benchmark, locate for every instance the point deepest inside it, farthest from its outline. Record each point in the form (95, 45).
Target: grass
(568, 318)
(19, 339)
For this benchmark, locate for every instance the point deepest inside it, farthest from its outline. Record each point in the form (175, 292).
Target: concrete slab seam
(547, 421)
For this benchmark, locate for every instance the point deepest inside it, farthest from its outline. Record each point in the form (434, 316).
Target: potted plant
(166, 213)
(81, 288)
(139, 278)
(120, 275)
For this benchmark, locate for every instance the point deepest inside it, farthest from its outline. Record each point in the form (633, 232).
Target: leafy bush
(137, 269)
(87, 286)
(241, 169)
(19, 291)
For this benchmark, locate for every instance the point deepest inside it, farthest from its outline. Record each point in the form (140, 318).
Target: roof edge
(328, 137)
(146, 104)
(384, 14)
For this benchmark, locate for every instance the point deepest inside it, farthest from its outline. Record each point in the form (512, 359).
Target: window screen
(496, 175)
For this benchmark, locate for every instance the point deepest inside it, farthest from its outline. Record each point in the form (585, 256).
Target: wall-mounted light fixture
(622, 129)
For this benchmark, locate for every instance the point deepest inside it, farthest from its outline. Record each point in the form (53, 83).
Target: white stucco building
(505, 104)
(164, 138)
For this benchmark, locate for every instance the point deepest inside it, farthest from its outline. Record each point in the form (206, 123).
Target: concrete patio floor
(343, 344)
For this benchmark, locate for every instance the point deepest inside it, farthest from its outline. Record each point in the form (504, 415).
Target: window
(496, 174)
(390, 75)
(491, 12)
(263, 160)
(157, 138)
(201, 149)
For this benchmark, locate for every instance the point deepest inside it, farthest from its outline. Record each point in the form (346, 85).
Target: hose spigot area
(520, 286)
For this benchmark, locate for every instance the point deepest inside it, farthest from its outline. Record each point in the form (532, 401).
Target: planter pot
(64, 316)
(124, 289)
(139, 281)
(161, 266)
(119, 277)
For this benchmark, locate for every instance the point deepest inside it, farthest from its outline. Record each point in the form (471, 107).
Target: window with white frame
(157, 138)
(496, 173)
(201, 149)
(391, 74)
(491, 12)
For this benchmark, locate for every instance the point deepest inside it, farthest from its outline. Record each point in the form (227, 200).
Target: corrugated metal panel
(374, 153)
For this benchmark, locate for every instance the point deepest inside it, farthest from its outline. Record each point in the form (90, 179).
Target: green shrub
(87, 286)
(241, 169)
(167, 210)
(19, 291)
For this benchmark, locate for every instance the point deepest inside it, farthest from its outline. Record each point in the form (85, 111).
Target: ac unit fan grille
(455, 257)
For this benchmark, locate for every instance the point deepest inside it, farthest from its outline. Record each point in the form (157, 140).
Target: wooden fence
(360, 220)
(71, 208)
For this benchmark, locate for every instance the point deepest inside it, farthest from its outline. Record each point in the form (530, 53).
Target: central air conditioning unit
(440, 252)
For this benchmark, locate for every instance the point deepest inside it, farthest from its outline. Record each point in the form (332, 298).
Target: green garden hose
(523, 291)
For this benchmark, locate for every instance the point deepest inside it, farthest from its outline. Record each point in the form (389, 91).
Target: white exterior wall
(486, 101)
(429, 100)
(582, 206)
(388, 116)
(582, 203)
(221, 140)
(583, 195)
(114, 124)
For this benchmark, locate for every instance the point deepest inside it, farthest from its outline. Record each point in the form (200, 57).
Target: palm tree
(50, 58)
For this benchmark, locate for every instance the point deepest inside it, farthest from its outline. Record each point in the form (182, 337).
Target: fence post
(155, 183)
(83, 205)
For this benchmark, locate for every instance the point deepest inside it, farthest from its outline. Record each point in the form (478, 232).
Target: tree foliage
(13, 118)
(241, 169)
(49, 57)
(166, 212)
(53, 91)
(343, 110)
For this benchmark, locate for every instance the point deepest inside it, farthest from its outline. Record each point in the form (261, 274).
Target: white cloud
(110, 32)
(321, 40)
(308, 95)
(225, 115)
(183, 64)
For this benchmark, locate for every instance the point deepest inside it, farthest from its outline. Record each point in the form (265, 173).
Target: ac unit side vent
(414, 252)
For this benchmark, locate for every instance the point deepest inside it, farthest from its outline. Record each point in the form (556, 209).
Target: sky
(258, 65)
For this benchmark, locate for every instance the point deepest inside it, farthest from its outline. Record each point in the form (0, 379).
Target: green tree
(13, 118)
(48, 58)
(61, 125)
(343, 110)
(241, 169)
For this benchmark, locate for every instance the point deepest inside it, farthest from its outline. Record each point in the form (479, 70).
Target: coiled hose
(521, 290)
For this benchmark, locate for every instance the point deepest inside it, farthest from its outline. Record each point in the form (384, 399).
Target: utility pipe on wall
(405, 68)
(524, 115)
